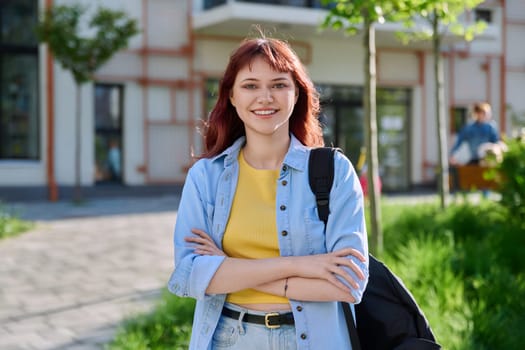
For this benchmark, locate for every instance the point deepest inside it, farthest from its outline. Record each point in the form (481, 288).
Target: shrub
(510, 174)
(425, 266)
(478, 246)
(168, 326)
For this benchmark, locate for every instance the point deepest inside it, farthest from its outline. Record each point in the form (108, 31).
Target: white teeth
(267, 112)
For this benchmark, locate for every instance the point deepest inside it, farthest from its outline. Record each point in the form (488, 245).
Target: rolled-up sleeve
(192, 273)
(346, 226)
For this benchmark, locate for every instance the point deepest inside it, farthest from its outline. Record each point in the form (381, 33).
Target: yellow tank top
(251, 232)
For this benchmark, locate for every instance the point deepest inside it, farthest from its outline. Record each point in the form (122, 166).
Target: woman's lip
(264, 112)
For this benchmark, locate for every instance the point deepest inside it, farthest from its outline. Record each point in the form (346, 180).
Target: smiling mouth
(266, 112)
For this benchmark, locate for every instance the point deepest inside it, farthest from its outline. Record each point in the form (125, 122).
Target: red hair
(224, 125)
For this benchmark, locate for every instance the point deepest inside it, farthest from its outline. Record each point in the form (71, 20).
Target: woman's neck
(266, 153)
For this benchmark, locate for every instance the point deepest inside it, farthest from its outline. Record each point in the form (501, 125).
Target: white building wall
(342, 66)
(211, 55)
(133, 134)
(469, 81)
(65, 129)
(515, 81)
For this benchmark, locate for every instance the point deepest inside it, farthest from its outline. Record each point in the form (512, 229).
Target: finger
(204, 237)
(200, 233)
(356, 253)
(195, 239)
(199, 240)
(352, 265)
(344, 274)
(201, 251)
(336, 282)
(350, 251)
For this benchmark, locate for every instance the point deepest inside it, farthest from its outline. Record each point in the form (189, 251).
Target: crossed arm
(308, 278)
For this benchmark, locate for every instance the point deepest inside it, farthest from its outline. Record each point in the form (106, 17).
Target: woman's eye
(279, 86)
(250, 86)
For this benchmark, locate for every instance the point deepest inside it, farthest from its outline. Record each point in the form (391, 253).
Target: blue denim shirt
(205, 204)
(475, 134)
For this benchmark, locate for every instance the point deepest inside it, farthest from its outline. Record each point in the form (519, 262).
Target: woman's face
(264, 99)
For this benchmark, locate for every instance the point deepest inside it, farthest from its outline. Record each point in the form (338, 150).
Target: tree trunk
(442, 168)
(78, 144)
(369, 102)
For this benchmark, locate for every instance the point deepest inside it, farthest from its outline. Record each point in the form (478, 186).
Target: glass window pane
(19, 136)
(17, 20)
(107, 107)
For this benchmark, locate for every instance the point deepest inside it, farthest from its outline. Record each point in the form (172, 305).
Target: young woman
(249, 245)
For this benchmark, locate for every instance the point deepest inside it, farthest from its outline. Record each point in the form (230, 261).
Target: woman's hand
(330, 265)
(204, 244)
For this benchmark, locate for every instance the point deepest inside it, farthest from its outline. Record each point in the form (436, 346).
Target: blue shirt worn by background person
(475, 134)
(205, 204)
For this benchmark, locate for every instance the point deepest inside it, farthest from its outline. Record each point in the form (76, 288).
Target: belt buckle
(267, 320)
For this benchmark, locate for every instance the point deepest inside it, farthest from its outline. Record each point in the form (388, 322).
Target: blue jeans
(234, 334)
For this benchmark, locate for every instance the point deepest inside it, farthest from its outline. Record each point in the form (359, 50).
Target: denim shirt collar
(296, 157)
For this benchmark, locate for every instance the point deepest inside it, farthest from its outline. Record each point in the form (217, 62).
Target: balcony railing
(208, 4)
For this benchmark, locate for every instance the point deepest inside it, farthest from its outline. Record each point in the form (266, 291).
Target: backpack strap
(321, 178)
(352, 330)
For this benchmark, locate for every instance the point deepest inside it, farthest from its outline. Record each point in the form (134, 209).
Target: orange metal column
(50, 146)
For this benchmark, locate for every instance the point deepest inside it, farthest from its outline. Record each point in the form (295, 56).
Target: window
(484, 15)
(19, 120)
(458, 118)
(108, 133)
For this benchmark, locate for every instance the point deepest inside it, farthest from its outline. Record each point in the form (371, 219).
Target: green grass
(168, 327)
(462, 265)
(10, 225)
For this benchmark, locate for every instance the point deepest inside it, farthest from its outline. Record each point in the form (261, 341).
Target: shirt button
(282, 207)
(303, 336)
(284, 182)
(299, 308)
(284, 233)
(285, 168)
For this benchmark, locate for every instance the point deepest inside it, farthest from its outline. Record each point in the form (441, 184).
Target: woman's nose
(265, 96)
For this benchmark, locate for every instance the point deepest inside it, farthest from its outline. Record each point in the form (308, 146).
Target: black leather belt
(270, 320)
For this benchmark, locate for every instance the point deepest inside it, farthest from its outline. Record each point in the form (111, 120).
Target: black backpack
(388, 317)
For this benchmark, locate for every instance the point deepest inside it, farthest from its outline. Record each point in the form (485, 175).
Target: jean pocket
(226, 333)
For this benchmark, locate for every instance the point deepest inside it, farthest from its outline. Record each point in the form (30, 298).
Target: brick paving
(70, 281)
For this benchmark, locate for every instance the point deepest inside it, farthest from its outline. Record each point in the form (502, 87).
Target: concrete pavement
(71, 280)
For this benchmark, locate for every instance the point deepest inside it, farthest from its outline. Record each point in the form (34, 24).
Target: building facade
(142, 112)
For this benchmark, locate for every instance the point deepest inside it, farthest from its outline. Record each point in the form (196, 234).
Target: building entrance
(344, 126)
(108, 133)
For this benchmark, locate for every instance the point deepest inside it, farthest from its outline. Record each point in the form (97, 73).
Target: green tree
(108, 31)
(361, 16)
(441, 17)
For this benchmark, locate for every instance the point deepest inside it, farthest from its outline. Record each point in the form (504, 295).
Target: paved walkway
(70, 281)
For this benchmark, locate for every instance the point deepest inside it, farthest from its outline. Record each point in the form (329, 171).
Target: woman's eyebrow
(250, 79)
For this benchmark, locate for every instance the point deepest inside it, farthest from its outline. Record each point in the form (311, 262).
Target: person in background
(480, 130)
(249, 245)
(114, 160)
